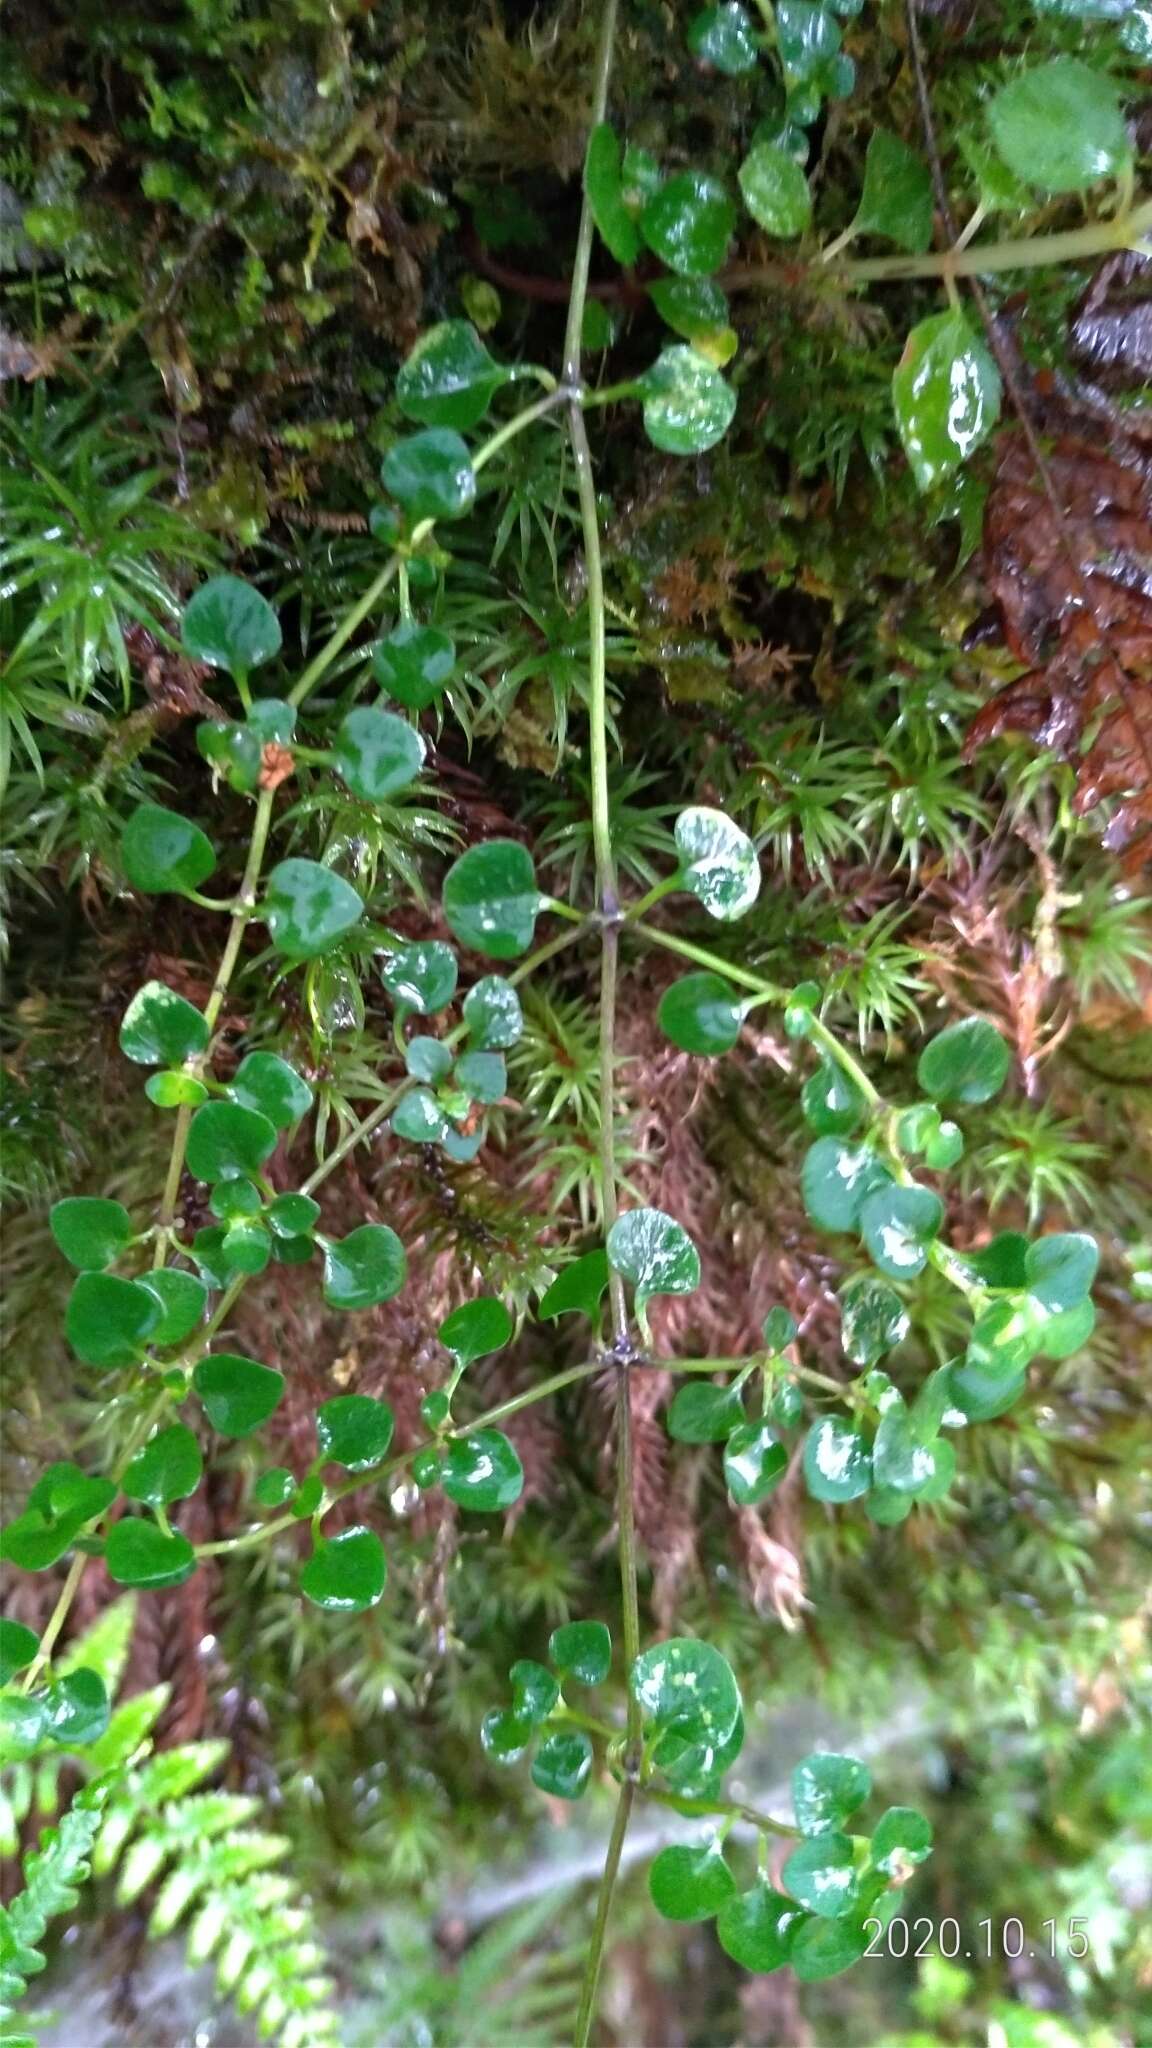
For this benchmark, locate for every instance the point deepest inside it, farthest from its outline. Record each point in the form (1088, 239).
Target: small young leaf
(366, 1267)
(755, 1462)
(76, 1710)
(837, 1461)
(717, 862)
(826, 1791)
(944, 1147)
(756, 1928)
(354, 1430)
(821, 1874)
(966, 1062)
(1060, 126)
(1059, 1270)
(160, 1029)
(688, 223)
(491, 900)
(307, 908)
(836, 1181)
(946, 396)
(225, 1139)
(482, 1472)
(703, 1414)
(724, 37)
(654, 1253)
(578, 1290)
(562, 1765)
(688, 1882)
(701, 1014)
(139, 1553)
(274, 1488)
(377, 753)
(414, 664)
(687, 405)
(449, 378)
(898, 1225)
(778, 1329)
(422, 976)
(492, 1013)
(582, 1650)
(427, 1059)
(168, 1468)
(229, 625)
(901, 1839)
(873, 1319)
(604, 187)
(431, 474)
(163, 853)
(90, 1232)
(237, 1394)
(346, 1574)
(897, 198)
(775, 190)
(476, 1329)
(173, 1089)
(419, 1118)
(504, 1736)
(267, 1084)
(483, 1075)
(108, 1321)
(696, 308)
(18, 1646)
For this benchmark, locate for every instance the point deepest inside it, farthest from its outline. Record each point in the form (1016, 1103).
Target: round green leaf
(823, 1948)
(1059, 1270)
(449, 378)
(756, 1928)
(604, 186)
(534, 1690)
(898, 1225)
(688, 407)
(837, 1461)
(237, 1394)
(826, 1791)
(504, 1736)
(778, 1329)
(755, 1462)
(18, 1646)
(419, 1118)
(582, 1650)
(944, 1147)
(164, 853)
(873, 1319)
(224, 1139)
(479, 1327)
(229, 625)
(431, 474)
(307, 908)
(377, 753)
(831, 1101)
(901, 1839)
(836, 1181)
(428, 1059)
(687, 1686)
(483, 1076)
(775, 190)
(897, 198)
(578, 1290)
(562, 1765)
(725, 38)
(1066, 1330)
(235, 1201)
(946, 396)
(76, 1709)
(247, 1247)
(688, 223)
(436, 1409)
(168, 1468)
(414, 664)
(366, 1267)
(717, 862)
(139, 1553)
(482, 1472)
(1060, 126)
(654, 1253)
(703, 1414)
(491, 900)
(108, 1321)
(967, 1062)
(160, 1029)
(274, 1488)
(696, 308)
(492, 1013)
(422, 976)
(701, 1014)
(821, 1874)
(686, 1882)
(173, 1089)
(266, 1083)
(346, 1573)
(90, 1232)
(355, 1431)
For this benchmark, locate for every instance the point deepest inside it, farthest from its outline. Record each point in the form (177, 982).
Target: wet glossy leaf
(688, 223)
(476, 1329)
(482, 1075)
(267, 1084)
(89, 1231)
(237, 1394)
(696, 1768)
(1059, 1270)
(76, 1710)
(431, 474)
(897, 198)
(109, 1321)
(755, 1462)
(718, 862)
(173, 1089)
(307, 908)
(491, 900)
(235, 749)
(355, 1431)
(63, 1499)
(901, 1462)
(504, 1736)
(787, 1404)
(808, 39)
(826, 1791)
(821, 1874)
(604, 187)
(726, 38)
(226, 1139)
(703, 1414)
(582, 1650)
(482, 1472)
(901, 1839)
(229, 625)
(427, 1059)
(831, 1101)
(899, 1225)
(836, 1181)
(366, 1267)
(823, 1948)
(492, 1013)
(654, 1253)
(168, 1468)
(775, 190)
(160, 1029)
(414, 664)
(377, 753)
(164, 853)
(436, 1409)
(687, 1686)
(419, 1118)
(247, 1247)
(562, 1765)
(687, 405)
(873, 1319)
(1060, 126)
(449, 378)
(946, 396)
(578, 1290)
(966, 1062)
(535, 1690)
(696, 308)
(689, 1882)
(422, 976)
(274, 1488)
(944, 1147)
(701, 1014)
(346, 1574)
(139, 1553)
(18, 1646)
(980, 1395)
(837, 1460)
(756, 1928)
(1066, 1331)
(778, 1329)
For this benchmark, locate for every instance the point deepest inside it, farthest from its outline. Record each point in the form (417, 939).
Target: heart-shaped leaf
(229, 625)
(901, 1839)
(1060, 126)
(449, 378)
(346, 1574)
(1059, 1270)
(76, 1710)
(237, 1394)
(428, 1059)
(826, 1791)
(966, 1062)
(690, 1882)
(899, 1225)
(688, 407)
(696, 308)
(18, 1646)
(831, 1101)
(61, 1502)
(492, 1013)
(582, 1650)
(578, 1290)
(431, 474)
(562, 1765)
(419, 1118)
(168, 1468)
(837, 1460)
(897, 198)
(266, 1083)
(414, 664)
(422, 976)
(109, 1321)
(823, 1948)
(377, 753)
(704, 1414)
(366, 1267)
(355, 1431)
(836, 1181)
(482, 1075)
(701, 1014)
(756, 1928)
(873, 1319)
(775, 190)
(308, 909)
(174, 1089)
(90, 1232)
(688, 223)
(603, 184)
(140, 1553)
(654, 1253)
(160, 1029)
(478, 1328)
(946, 396)
(292, 1215)
(491, 900)
(482, 1472)
(226, 1139)
(504, 1736)
(755, 1462)
(821, 1874)
(163, 853)
(725, 38)
(686, 1686)
(718, 862)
